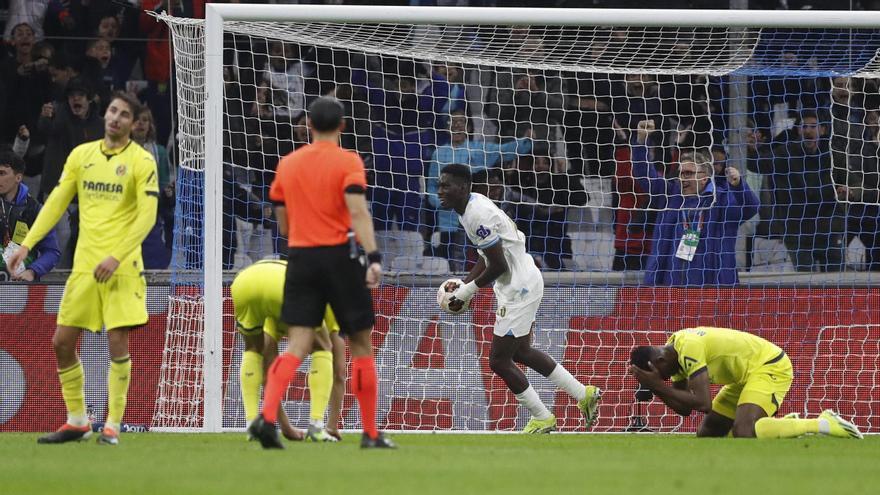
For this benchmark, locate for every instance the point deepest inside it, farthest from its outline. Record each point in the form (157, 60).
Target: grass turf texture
(218, 464)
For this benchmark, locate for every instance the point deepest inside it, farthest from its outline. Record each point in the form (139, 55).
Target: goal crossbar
(557, 17)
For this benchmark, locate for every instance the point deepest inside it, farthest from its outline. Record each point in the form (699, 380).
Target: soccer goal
(545, 106)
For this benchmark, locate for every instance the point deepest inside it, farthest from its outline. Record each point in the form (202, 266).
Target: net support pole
(738, 89)
(213, 222)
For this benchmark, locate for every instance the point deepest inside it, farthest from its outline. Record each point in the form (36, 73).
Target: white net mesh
(547, 118)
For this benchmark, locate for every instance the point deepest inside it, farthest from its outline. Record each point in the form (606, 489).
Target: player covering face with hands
(518, 288)
(755, 374)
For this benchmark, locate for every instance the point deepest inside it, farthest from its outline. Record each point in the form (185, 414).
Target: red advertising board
(831, 334)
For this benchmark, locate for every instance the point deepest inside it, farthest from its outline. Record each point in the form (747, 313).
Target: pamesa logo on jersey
(102, 187)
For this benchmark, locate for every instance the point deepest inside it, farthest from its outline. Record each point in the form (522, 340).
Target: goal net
(546, 111)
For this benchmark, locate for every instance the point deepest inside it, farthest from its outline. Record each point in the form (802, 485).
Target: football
(444, 295)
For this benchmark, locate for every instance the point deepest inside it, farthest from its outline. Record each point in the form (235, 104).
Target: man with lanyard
(694, 240)
(18, 210)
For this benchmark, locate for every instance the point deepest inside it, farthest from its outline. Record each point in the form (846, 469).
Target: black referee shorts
(319, 276)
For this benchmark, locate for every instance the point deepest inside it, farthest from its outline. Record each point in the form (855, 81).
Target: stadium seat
(855, 255)
(770, 255)
(593, 250)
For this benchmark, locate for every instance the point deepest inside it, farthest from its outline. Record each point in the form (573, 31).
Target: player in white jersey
(518, 288)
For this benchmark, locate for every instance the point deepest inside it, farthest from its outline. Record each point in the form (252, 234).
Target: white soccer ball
(444, 295)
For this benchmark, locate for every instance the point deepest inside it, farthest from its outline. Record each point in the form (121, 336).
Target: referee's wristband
(374, 257)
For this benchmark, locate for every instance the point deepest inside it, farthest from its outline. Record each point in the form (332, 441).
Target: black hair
(11, 160)
(462, 173)
(326, 114)
(641, 355)
(60, 60)
(808, 114)
(133, 103)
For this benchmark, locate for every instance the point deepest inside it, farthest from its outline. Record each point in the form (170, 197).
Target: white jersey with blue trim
(487, 225)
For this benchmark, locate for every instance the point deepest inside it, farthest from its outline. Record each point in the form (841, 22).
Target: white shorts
(517, 320)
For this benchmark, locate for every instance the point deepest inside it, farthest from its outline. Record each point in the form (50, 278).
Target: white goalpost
(549, 101)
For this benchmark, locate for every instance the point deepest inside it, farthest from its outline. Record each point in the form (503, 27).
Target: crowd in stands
(545, 145)
(59, 63)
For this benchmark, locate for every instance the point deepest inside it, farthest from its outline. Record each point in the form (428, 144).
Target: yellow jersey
(728, 355)
(258, 291)
(118, 191)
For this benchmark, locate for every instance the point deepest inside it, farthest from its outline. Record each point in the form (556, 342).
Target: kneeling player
(755, 374)
(257, 292)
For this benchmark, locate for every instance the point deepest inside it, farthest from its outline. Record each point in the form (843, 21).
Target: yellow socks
(785, 427)
(73, 391)
(320, 385)
(251, 376)
(117, 390)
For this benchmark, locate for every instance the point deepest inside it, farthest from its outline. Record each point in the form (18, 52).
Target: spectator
(239, 203)
(549, 190)
(116, 59)
(633, 221)
(590, 136)
(490, 183)
(30, 12)
(454, 75)
(120, 61)
(636, 101)
(521, 102)
(401, 146)
(478, 155)
(805, 199)
(26, 76)
(758, 150)
(694, 240)
(860, 186)
(286, 76)
(719, 161)
(66, 125)
(102, 70)
(395, 194)
(157, 62)
(157, 246)
(18, 210)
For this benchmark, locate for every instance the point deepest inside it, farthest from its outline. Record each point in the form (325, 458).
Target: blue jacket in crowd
(45, 255)
(715, 260)
(478, 155)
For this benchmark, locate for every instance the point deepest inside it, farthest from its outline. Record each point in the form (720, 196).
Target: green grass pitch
(219, 464)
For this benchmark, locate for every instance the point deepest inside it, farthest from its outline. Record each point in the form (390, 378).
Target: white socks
(565, 381)
(81, 420)
(529, 398)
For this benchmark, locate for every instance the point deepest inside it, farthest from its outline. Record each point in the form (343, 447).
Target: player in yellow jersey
(755, 374)
(257, 294)
(117, 186)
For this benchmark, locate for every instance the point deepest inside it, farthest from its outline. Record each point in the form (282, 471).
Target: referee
(320, 195)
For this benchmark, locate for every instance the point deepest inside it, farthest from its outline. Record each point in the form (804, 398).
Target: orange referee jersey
(311, 183)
